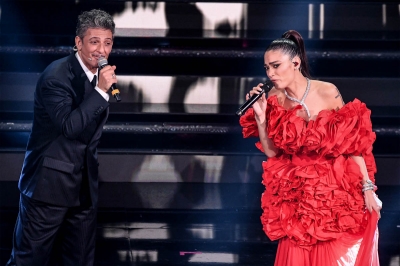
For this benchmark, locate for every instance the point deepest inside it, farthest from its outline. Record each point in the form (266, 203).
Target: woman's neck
(297, 88)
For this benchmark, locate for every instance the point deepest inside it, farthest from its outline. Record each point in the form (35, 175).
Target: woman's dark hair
(94, 18)
(292, 43)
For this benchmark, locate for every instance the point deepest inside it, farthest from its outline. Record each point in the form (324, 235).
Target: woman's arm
(269, 148)
(369, 195)
(260, 107)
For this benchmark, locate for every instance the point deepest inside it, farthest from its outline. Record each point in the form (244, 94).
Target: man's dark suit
(60, 169)
(64, 136)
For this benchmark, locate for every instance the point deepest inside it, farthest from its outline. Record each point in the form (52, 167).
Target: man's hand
(107, 77)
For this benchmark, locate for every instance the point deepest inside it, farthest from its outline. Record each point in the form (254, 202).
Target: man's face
(96, 43)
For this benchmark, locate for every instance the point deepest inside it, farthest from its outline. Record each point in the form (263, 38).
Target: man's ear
(78, 43)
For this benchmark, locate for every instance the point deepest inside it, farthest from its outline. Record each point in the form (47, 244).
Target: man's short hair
(94, 18)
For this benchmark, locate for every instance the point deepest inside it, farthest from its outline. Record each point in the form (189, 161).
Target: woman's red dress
(313, 201)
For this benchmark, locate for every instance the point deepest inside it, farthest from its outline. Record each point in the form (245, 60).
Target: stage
(199, 224)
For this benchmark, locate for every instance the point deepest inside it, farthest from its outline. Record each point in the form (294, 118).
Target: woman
(319, 199)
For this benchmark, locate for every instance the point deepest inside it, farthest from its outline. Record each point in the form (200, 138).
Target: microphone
(267, 86)
(114, 91)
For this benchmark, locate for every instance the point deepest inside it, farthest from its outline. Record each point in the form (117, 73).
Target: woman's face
(279, 68)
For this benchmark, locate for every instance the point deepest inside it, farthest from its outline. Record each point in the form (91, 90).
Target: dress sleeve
(249, 124)
(367, 138)
(250, 128)
(273, 114)
(360, 139)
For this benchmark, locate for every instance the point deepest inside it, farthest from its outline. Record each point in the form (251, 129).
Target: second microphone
(114, 91)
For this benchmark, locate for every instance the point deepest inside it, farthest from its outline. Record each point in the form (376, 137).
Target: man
(59, 178)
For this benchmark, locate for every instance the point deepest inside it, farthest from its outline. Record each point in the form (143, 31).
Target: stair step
(196, 94)
(210, 63)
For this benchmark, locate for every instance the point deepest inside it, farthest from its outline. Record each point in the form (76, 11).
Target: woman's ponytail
(298, 40)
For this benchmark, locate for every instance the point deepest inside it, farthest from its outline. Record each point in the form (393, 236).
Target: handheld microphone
(114, 91)
(267, 86)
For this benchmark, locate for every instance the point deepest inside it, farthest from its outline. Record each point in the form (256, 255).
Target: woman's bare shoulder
(325, 88)
(329, 93)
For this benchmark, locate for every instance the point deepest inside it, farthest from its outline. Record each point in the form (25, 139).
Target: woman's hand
(260, 105)
(372, 202)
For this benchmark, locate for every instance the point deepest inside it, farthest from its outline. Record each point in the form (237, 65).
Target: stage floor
(224, 235)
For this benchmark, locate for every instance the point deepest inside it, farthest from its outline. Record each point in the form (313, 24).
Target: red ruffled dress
(313, 200)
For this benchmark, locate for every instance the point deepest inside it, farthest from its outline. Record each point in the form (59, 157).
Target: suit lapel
(80, 82)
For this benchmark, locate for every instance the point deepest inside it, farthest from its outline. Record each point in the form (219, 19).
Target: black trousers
(53, 235)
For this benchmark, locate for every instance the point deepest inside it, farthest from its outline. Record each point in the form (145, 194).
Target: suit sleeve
(69, 119)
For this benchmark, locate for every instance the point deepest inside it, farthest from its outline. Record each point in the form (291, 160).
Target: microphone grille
(102, 62)
(267, 86)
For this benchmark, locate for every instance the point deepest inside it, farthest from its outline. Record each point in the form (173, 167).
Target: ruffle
(250, 128)
(310, 202)
(347, 131)
(313, 187)
(334, 132)
(249, 124)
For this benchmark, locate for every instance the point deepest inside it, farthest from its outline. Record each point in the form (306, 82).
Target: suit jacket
(62, 148)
